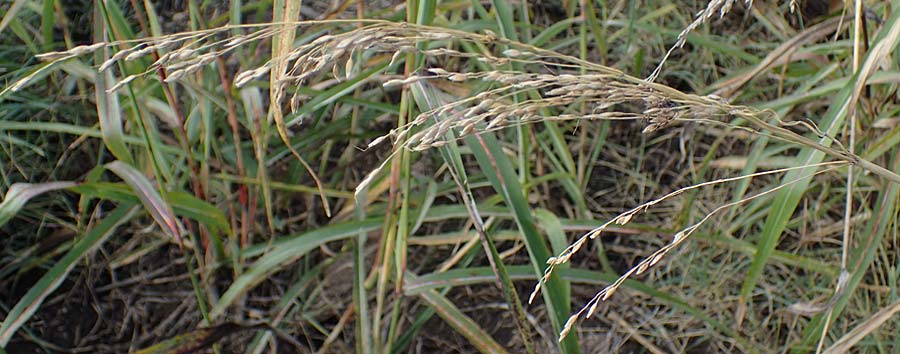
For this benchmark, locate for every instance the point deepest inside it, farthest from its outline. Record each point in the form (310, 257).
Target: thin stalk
(238, 153)
(848, 205)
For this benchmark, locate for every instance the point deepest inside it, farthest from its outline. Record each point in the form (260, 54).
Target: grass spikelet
(720, 7)
(589, 309)
(503, 84)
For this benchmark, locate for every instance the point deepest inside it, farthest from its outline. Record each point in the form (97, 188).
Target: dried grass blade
(19, 194)
(286, 12)
(846, 342)
(777, 56)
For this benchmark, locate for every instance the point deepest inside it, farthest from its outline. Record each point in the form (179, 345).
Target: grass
(392, 178)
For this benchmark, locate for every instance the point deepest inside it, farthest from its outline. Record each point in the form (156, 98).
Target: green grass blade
(483, 275)
(183, 204)
(186, 204)
(117, 22)
(497, 167)
(288, 303)
(861, 258)
(551, 32)
(453, 158)
(11, 140)
(151, 199)
(153, 19)
(787, 199)
(110, 117)
(507, 182)
(558, 241)
(884, 144)
(334, 93)
(464, 325)
(47, 20)
(199, 339)
(32, 300)
(77, 130)
(11, 13)
(427, 201)
(505, 19)
(286, 251)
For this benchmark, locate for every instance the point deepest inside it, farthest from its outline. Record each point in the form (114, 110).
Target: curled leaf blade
(151, 199)
(19, 194)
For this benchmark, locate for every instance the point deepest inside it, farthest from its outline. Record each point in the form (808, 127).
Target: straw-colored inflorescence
(509, 96)
(713, 8)
(677, 239)
(607, 96)
(607, 92)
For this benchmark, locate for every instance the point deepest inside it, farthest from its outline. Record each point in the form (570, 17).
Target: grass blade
(32, 300)
(482, 275)
(197, 340)
(787, 200)
(497, 167)
(286, 251)
(110, 116)
(458, 320)
(11, 13)
(453, 158)
(855, 335)
(19, 194)
(558, 242)
(160, 210)
(183, 204)
(861, 257)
